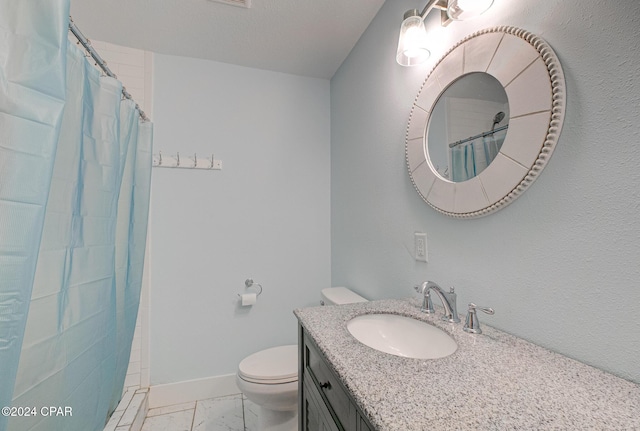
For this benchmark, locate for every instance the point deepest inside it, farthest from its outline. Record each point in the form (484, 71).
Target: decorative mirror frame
(532, 77)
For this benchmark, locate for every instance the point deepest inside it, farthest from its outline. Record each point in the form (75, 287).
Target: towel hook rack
(209, 163)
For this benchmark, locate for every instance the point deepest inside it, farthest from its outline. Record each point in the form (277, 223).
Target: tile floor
(232, 413)
(130, 412)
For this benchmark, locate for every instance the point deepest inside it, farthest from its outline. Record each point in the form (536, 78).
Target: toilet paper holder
(248, 283)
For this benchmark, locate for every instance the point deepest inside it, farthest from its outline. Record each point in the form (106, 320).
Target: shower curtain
(75, 167)
(463, 162)
(470, 158)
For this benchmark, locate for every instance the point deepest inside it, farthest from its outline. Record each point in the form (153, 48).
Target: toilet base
(274, 420)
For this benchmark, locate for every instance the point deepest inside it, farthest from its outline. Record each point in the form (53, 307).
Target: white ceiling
(301, 37)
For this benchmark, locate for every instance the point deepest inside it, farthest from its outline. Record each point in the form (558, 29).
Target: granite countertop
(494, 381)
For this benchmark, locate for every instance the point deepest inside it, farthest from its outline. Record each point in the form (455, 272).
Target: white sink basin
(402, 336)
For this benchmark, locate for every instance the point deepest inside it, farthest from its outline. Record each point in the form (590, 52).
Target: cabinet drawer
(315, 415)
(328, 385)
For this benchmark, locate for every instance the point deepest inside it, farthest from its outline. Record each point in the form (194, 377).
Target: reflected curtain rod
(481, 135)
(101, 63)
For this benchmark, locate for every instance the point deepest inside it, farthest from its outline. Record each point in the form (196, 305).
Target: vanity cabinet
(325, 404)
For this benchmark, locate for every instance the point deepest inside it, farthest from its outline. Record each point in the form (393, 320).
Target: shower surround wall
(265, 216)
(561, 264)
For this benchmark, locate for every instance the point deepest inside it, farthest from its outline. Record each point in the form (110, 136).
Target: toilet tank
(339, 295)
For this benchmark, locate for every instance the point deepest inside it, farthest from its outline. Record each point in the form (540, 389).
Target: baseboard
(192, 390)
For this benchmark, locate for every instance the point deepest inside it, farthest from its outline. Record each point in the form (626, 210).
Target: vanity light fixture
(412, 45)
(413, 41)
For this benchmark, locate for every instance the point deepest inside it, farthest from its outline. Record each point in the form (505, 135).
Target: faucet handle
(471, 323)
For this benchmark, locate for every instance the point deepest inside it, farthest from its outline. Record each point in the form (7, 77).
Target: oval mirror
(467, 162)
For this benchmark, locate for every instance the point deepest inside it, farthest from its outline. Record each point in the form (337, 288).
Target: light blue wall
(264, 215)
(561, 265)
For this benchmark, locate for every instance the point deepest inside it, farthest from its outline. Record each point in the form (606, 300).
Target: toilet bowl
(269, 378)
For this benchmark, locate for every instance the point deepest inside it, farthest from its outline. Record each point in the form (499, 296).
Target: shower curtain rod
(481, 135)
(86, 43)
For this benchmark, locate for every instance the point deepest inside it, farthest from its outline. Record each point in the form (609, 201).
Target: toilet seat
(272, 366)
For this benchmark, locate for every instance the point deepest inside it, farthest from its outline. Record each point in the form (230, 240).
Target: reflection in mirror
(467, 126)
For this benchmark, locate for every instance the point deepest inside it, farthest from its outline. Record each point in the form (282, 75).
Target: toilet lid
(271, 366)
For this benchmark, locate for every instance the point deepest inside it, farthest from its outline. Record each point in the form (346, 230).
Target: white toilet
(269, 378)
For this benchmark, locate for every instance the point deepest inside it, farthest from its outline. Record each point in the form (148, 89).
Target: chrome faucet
(448, 300)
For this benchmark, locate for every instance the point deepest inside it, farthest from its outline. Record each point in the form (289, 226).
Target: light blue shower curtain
(86, 270)
(33, 43)
(470, 158)
(463, 162)
(131, 235)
